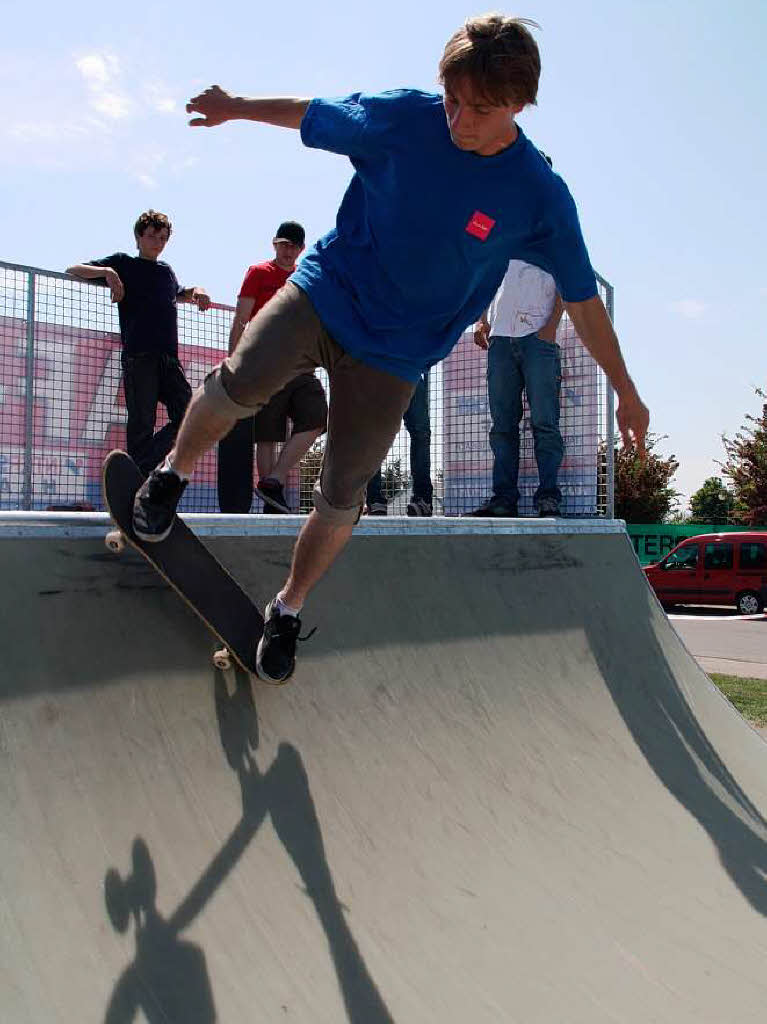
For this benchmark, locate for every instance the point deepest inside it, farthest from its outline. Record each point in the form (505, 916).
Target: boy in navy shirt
(367, 305)
(147, 292)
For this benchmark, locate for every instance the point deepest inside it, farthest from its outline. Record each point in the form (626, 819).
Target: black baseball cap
(290, 231)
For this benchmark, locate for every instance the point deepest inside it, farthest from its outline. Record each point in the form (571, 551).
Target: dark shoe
(271, 493)
(377, 508)
(276, 656)
(154, 507)
(419, 507)
(496, 508)
(548, 507)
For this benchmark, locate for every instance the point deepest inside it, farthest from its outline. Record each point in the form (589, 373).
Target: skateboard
(185, 563)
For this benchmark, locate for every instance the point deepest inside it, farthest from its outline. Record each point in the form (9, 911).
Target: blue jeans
(535, 366)
(418, 425)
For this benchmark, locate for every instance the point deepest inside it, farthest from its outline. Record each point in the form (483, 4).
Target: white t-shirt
(523, 303)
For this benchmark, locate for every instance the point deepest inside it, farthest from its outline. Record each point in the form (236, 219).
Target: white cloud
(112, 104)
(100, 72)
(97, 69)
(158, 96)
(47, 131)
(691, 309)
(97, 113)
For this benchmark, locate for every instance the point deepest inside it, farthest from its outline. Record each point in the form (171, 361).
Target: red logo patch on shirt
(480, 225)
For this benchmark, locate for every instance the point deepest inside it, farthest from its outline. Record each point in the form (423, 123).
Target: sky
(653, 113)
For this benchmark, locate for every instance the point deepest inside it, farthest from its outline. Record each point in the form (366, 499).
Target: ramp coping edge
(96, 524)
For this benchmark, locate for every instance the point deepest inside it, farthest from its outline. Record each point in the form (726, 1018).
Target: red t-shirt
(261, 282)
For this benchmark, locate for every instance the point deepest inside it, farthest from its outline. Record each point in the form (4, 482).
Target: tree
(643, 492)
(713, 503)
(394, 480)
(746, 467)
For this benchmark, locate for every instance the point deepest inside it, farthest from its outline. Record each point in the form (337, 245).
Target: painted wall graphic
(78, 414)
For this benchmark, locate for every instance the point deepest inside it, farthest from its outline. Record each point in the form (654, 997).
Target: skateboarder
(417, 424)
(302, 400)
(147, 292)
(455, 174)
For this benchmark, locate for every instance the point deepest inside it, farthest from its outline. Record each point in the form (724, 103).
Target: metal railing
(62, 408)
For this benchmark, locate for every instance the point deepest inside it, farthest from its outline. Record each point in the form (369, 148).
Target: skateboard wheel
(222, 659)
(115, 541)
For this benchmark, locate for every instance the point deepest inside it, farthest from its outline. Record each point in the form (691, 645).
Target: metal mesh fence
(62, 409)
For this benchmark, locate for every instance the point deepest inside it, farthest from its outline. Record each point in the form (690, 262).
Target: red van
(714, 568)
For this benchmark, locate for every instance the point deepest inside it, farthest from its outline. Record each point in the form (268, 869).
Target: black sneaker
(276, 655)
(419, 507)
(496, 508)
(271, 493)
(154, 507)
(548, 507)
(377, 508)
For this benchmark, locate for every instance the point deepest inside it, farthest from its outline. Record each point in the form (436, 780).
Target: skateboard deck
(188, 566)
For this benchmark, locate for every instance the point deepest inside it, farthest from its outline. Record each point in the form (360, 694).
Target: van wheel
(749, 603)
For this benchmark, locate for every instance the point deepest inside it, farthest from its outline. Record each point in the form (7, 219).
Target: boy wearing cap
(366, 302)
(302, 400)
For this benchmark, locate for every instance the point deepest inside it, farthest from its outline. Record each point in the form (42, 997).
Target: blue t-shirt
(425, 231)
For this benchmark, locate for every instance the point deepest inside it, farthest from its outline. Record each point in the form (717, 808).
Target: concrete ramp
(497, 790)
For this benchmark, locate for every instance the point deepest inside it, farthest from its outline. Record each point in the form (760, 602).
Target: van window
(683, 558)
(753, 556)
(718, 556)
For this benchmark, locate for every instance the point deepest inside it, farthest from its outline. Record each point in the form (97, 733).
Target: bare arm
(593, 326)
(242, 312)
(218, 106)
(91, 273)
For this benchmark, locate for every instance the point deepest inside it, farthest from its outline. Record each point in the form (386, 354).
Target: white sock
(168, 467)
(285, 609)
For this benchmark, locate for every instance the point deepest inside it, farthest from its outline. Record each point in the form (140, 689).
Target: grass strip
(748, 695)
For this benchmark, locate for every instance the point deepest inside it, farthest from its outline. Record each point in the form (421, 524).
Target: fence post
(610, 425)
(29, 394)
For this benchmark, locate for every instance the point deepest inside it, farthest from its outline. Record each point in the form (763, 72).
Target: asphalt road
(724, 642)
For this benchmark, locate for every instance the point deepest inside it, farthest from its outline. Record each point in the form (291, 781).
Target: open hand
(214, 104)
(633, 420)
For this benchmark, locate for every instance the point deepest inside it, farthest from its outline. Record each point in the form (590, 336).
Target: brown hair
(152, 219)
(498, 55)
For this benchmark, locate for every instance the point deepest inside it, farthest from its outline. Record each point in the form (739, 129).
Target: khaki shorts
(302, 402)
(286, 338)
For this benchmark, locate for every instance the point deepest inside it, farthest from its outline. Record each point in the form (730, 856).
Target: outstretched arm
(593, 326)
(218, 106)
